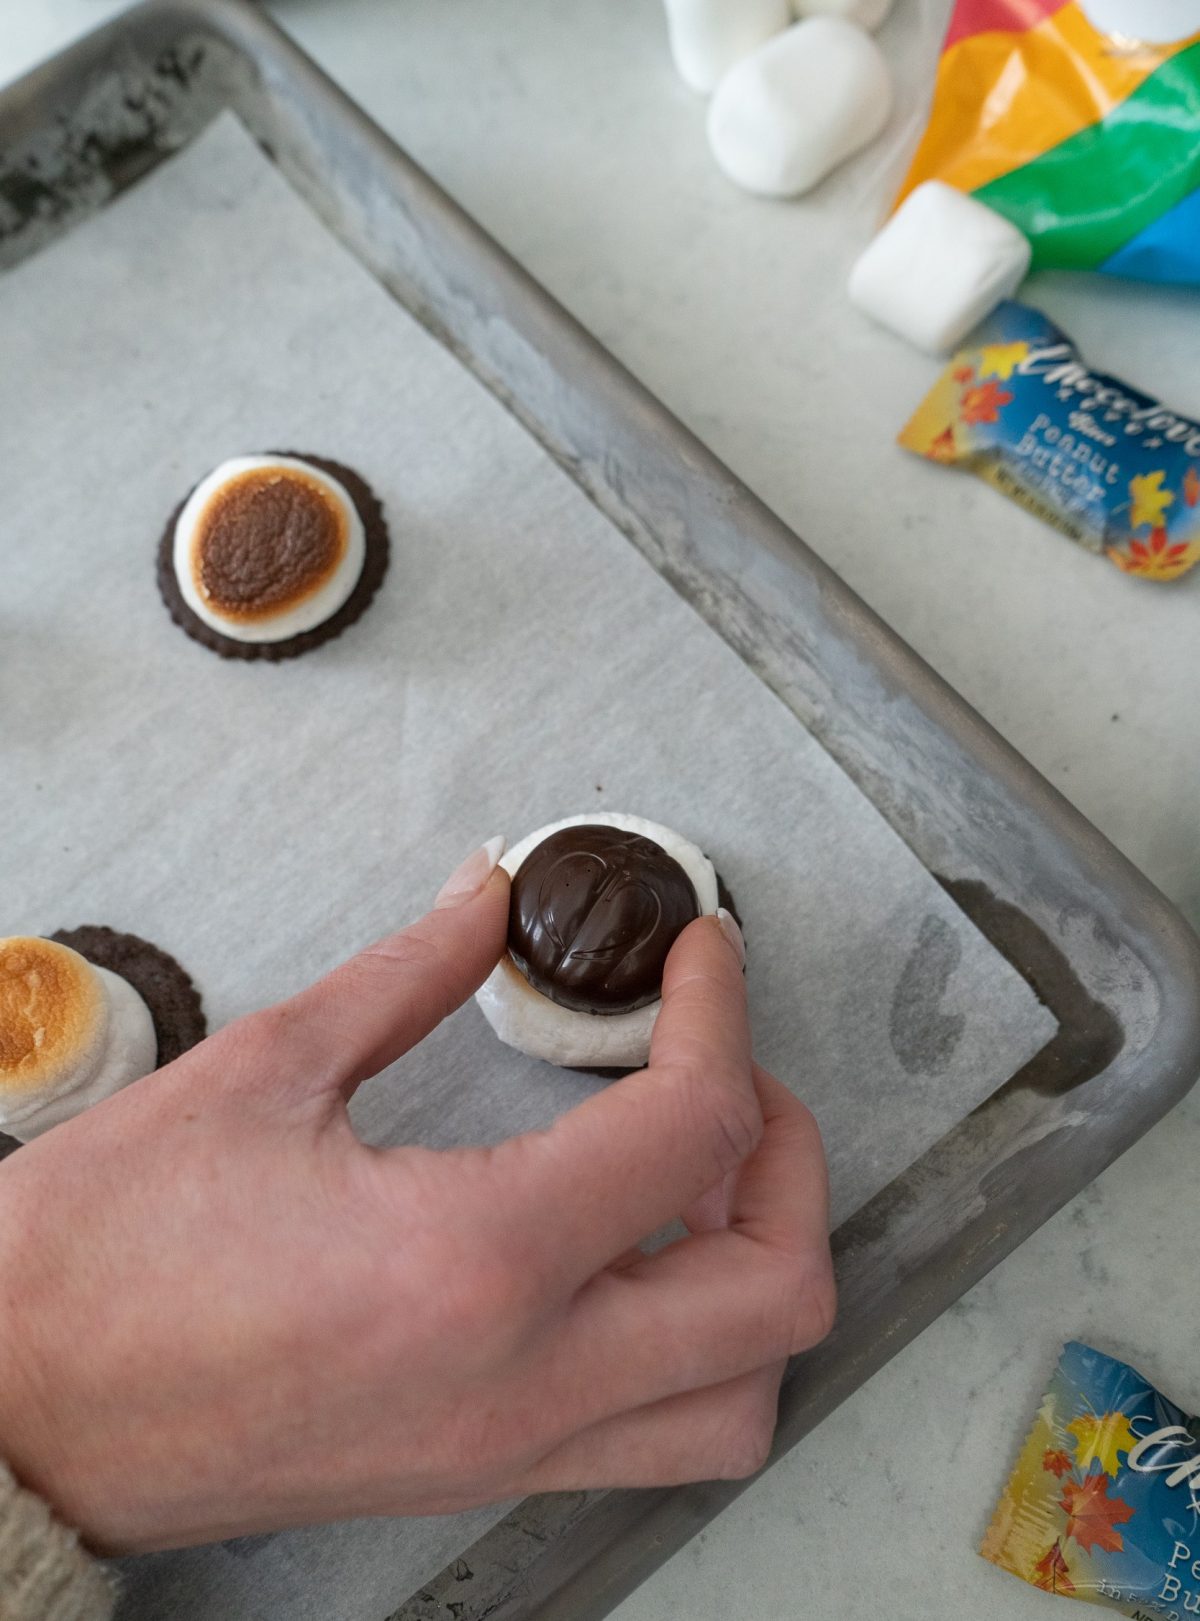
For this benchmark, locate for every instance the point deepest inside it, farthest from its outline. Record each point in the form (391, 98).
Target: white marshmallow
(941, 263)
(709, 36)
(531, 1022)
(868, 14)
(789, 113)
(294, 620)
(71, 1034)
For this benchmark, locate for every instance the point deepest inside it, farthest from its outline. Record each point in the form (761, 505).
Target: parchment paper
(521, 663)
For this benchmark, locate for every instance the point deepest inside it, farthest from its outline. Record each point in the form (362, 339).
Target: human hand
(221, 1313)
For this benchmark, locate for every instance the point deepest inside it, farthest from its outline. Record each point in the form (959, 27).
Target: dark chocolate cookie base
(162, 984)
(725, 899)
(375, 564)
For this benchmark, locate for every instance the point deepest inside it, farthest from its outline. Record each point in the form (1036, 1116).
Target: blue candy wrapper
(1104, 1503)
(1112, 468)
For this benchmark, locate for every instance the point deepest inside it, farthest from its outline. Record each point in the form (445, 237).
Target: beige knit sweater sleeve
(44, 1573)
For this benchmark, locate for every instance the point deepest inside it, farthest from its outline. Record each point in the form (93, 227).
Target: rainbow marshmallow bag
(1088, 142)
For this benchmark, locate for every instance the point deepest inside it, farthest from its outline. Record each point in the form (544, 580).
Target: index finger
(637, 1154)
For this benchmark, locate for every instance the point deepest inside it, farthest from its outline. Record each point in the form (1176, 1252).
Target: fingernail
(469, 879)
(729, 928)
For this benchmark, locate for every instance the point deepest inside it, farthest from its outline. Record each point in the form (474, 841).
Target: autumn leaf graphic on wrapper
(1052, 1573)
(1098, 1438)
(1055, 1513)
(943, 448)
(1093, 1516)
(1148, 501)
(983, 403)
(1026, 1532)
(1156, 559)
(1002, 359)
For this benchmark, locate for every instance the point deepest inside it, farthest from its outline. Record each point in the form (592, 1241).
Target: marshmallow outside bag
(110, 1042)
(523, 1018)
(789, 113)
(310, 611)
(709, 36)
(869, 14)
(941, 263)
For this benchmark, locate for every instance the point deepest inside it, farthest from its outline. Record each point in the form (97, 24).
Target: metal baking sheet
(520, 658)
(1104, 952)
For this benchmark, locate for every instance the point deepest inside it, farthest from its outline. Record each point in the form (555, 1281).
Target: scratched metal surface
(1109, 956)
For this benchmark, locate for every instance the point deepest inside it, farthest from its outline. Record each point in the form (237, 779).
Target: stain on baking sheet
(1089, 1033)
(132, 117)
(1088, 1040)
(924, 1038)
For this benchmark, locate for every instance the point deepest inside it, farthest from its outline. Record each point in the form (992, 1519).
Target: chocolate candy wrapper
(1104, 1503)
(1108, 466)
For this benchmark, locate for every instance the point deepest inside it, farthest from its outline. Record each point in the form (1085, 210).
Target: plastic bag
(1089, 142)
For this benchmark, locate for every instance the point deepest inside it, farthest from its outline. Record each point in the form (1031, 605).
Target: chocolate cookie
(162, 984)
(260, 560)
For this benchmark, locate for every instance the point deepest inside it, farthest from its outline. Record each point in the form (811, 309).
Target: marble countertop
(560, 125)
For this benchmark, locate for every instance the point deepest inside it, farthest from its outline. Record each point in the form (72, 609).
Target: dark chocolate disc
(593, 914)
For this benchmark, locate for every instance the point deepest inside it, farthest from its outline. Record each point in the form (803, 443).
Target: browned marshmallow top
(265, 541)
(52, 1011)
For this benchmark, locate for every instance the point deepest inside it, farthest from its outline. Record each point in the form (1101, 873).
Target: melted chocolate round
(267, 539)
(593, 914)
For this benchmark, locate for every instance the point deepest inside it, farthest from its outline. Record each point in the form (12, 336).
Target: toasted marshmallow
(524, 1018)
(70, 1035)
(267, 547)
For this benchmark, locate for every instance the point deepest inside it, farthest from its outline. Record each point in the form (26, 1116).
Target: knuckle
(729, 1114)
(744, 1445)
(815, 1305)
(779, 1307)
(416, 964)
(409, 949)
(797, 1307)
